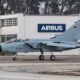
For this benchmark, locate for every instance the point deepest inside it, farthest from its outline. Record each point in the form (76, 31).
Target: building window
(9, 22)
(7, 37)
(2, 22)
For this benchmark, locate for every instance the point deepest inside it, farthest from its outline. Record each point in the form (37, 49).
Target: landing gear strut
(41, 57)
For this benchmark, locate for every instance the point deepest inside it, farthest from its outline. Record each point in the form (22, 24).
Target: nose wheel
(14, 58)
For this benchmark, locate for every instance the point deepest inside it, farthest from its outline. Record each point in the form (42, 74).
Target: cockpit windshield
(16, 40)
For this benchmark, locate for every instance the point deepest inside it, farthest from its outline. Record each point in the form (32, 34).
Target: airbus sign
(51, 27)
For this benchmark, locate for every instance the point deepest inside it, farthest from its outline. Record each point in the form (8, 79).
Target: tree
(54, 7)
(2, 11)
(31, 7)
(73, 7)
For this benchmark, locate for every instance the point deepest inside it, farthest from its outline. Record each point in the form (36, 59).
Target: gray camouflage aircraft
(66, 41)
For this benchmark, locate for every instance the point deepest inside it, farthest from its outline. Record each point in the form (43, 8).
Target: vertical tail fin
(72, 34)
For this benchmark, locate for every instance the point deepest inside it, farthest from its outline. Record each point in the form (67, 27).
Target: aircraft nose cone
(0, 49)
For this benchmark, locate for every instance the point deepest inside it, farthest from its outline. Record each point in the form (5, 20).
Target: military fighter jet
(66, 41)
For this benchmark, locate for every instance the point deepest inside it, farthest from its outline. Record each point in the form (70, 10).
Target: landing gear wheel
(52, 58)
(41, 57)
(14, 59)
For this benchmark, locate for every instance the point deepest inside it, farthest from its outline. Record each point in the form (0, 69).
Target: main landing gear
(41, 57)
(52, 58)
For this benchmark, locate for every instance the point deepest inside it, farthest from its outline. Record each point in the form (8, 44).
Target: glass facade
(8, 22)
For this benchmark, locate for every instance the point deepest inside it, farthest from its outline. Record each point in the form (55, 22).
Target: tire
(52, 58)
(14, 59)
(41, 57)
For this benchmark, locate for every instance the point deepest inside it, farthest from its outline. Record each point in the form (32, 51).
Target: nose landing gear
(14, 58)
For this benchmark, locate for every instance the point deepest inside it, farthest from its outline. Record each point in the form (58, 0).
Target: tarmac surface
(30, 68)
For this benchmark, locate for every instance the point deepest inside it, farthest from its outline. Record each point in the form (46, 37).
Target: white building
(23, 26)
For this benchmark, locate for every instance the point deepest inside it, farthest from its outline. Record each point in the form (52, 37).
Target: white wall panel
(31, 23)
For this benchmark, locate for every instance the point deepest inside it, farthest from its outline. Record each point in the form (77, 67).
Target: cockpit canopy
(16, 40)
(13, 40)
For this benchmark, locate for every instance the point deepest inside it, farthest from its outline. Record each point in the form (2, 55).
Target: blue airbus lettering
(51, 27)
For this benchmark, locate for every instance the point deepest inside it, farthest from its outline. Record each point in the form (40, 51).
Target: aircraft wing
(64, 45)
(53, 44)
